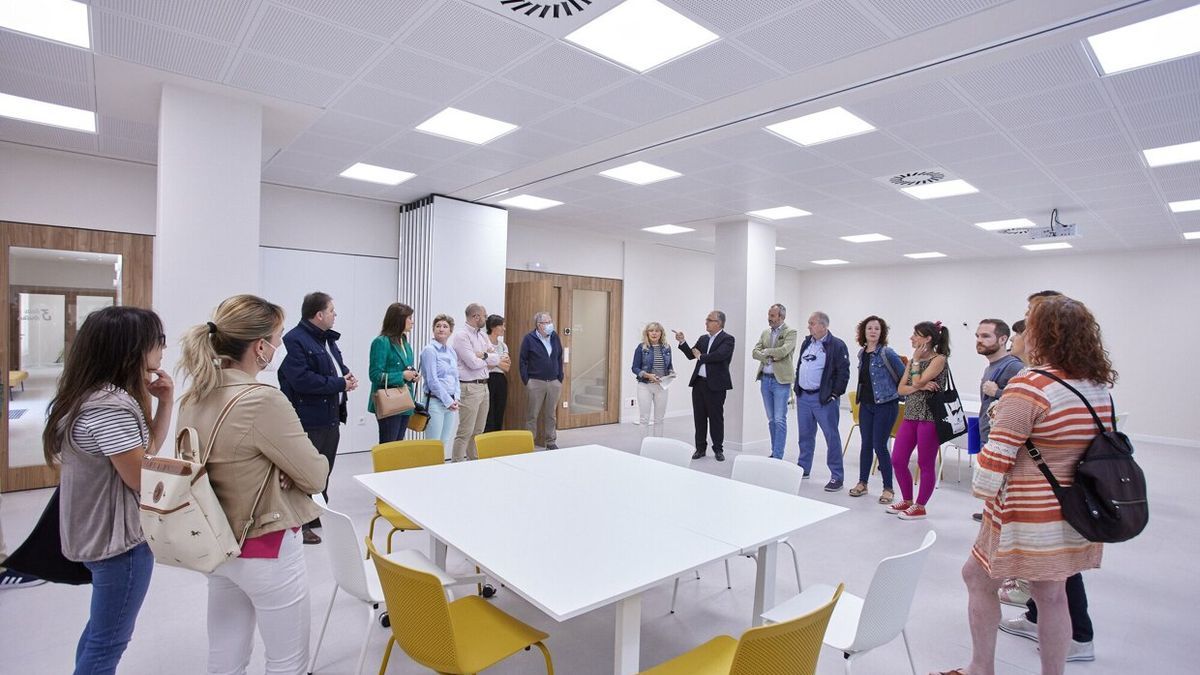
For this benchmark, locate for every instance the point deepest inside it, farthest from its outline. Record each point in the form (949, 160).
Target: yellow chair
(853, 416)
(464, 636)
(502, 443)
(788, 648)
(401, 455)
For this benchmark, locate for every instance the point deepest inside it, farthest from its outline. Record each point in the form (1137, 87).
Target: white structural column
(745, 289)
(209, 176)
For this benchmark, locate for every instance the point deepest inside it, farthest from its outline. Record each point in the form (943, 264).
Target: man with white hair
(821, 378)
(541, 366)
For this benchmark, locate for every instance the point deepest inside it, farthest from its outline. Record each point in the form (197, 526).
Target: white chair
(862, 624)
(355, 575)
(667, 450)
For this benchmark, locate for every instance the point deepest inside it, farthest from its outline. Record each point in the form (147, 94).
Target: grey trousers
(472, 416)
(542, 397)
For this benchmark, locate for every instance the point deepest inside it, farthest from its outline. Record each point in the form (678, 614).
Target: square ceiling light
(1184, 206)
(866, 238)
(830, 261)
(1173, 154)
(1051, 246)
(1192, 235)
(668, 229)
(1144, 43)
(50, 114)
(950, 188)
(460, 125)
(640, 173)
(376, 174)
(997, 225)
(780, 248)
(779, 213)
(58, 20)
(530, 202)
(821, 127)
(641, 34)
(925, 256)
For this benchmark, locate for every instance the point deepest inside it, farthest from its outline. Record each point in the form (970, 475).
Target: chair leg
(847, 663)
(387, 653)
(389, 541)
(911, 664)
(849, 435)
(728, 581)
(674, 594)
(546, 653)
(362, 652)
(697, 575)
(371, 528)
(312, 665)
(795, 563)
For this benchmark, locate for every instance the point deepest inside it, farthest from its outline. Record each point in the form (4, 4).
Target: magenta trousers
(923, 436)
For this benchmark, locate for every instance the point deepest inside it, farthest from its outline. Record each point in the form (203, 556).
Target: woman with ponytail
(99, 426)
(260, 443)
(925, 375)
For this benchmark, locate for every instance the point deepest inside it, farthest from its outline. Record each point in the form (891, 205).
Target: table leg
(437, 551)
(764, 581)
(627, 645)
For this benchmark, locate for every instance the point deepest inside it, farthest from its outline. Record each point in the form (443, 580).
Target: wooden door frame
(518, 327)
(137, 256)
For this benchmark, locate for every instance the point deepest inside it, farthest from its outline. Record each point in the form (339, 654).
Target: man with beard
(990, 340)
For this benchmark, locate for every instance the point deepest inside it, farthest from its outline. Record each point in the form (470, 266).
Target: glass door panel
(589, 351)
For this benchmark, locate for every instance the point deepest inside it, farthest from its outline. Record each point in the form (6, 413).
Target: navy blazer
(836, 374)
(716, 361)
(533, 361)
(310, 380)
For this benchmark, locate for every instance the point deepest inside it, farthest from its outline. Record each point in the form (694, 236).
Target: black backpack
(1107, 502)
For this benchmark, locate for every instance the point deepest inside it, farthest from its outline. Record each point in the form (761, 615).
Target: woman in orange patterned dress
(1023, 534)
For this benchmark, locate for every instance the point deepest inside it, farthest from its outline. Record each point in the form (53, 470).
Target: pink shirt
(466, 343)
(265, 545)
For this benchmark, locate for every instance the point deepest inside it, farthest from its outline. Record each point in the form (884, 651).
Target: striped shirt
(1023, 534)
(110, 431)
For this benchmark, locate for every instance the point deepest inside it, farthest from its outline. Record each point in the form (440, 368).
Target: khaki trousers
(542, 397)
(472, 416)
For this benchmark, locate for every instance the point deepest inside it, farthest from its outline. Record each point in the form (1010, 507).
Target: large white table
(576, 529)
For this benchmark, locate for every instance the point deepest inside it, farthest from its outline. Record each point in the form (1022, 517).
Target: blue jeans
(393, 428)
(119, 586)
(443, 423)
(809, 415)
(775, 400)
(875, 422)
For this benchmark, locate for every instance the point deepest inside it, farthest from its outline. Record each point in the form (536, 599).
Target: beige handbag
(392, 401)
(181, 517)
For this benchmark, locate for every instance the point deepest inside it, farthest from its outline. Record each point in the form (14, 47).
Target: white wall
(469, 243)
(62, 273)
(1144, 300)
(577, 253)
(316, 221)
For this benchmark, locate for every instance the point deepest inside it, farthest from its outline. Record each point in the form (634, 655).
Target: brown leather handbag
(392, 401)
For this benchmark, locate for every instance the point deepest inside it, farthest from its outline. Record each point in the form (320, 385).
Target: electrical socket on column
(632, 403)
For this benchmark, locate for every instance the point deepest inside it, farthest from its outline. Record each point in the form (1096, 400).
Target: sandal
(956, 671)
(887, 497)
(858, 490)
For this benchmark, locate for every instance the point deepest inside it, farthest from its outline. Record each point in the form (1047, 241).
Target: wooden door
(521, 301)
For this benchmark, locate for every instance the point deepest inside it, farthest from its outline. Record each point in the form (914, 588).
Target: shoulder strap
(1096, 417)
(212, 441)
(212, 436)
(257, 498)
(1041, 465)
(887, 363)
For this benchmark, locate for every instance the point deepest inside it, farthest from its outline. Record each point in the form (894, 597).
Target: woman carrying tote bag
(392, 366)
(926, 374)
(261, 442)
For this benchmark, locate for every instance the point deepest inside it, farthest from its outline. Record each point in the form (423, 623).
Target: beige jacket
(261, 432)
(783, 367)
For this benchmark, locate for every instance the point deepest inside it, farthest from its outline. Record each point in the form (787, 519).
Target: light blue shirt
(439, 372)
(812, 365)
(545, 339)
(769, 366)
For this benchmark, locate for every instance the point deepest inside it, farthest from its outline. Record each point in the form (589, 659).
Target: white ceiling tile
(729, 16)
(909, 104)
(1092, 148)
(457, 175)
(48, 89)
(215, 19)
(912, 16)
(639, 101)
(1178, 172)
(284, 79)
(934, 130)
(157, 47)
(1048, 69)
(1154, 82)
(714, 72)
(815, 33)
(1071, 101)
(1185, 106)
(124, 148)
(824, 176)
(394, 109)
(581, 125)
(352, 127)
(329, 146)
(987, 166)
(751, 145)
(1183, 131)
(44, 58)
(113, 127)
(989, 145)
(508, 103)
(566, 72)
(1109, 181)
(492, 160)
(291, 159)
(291, 36)
(530, 143)
(397, 158)
(481, 39)
(296, 177)
(1068, 130)
(890, 164)
(414, 74)
(384, 18)
(857, 147)
(730, 174)
(47, 137)
(1070, 171)
(428, 145)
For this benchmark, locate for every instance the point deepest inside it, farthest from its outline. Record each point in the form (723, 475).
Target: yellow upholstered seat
(501, 443)
(788, 648)
(401, 455)
(464, 636)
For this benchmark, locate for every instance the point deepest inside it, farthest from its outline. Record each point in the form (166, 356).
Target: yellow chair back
(406, 454)
(502, 443)
(419, 613)
(787, 648)
(899, 419)
(854, 406)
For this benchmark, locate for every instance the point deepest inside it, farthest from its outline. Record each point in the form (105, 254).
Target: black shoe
(311, 537)
(833, 486)
(551, 446)
(719, 455)
(697, 454)
(978, 517)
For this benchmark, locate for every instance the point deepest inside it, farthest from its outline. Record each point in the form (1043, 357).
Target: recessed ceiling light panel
(530, 202)
(58, 20)
(830, 261)
(1052, 246)
(460, 125)
(1013, 224)
(1192, 235)
(376, 174)
(866, 238)
(821, 127)
(1184, 206)
(779, 213)
(1162, 38)
(641, 34)
(925, 256)
(640, 173)
(1173, 154)
(780, 248)
(40, 112)
(668, 229)
(950, 188)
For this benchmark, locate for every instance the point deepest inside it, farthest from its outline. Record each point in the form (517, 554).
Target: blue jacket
(535, 363)
(314, 384)
(643, 360)
(883, 385)
(836, 374)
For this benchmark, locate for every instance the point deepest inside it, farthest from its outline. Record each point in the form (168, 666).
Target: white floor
(1142, 601)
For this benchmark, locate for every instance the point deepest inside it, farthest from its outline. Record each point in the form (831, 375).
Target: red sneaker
(898, 507)
(914, 512)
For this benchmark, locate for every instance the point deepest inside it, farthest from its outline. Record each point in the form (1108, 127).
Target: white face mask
(549, 329)
(276, 360)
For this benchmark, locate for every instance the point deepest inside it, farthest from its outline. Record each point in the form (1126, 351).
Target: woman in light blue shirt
(440, 368)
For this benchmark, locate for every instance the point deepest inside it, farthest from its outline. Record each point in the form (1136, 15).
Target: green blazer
(783, 366)
(390, 359)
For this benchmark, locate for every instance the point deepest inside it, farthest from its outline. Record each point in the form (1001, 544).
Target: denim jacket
(883, 385)
(643, 360)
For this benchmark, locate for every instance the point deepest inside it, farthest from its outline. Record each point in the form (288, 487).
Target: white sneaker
(1021, 627)
(1014, 592)
(1080, 651)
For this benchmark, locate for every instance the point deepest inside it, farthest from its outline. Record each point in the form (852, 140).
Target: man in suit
(710, 381)
(822, 372)
(775, 373)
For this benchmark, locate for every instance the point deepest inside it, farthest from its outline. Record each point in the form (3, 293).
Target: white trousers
(269, 593)
(651, 393)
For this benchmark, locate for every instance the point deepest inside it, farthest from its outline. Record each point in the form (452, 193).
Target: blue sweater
(535, 363)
